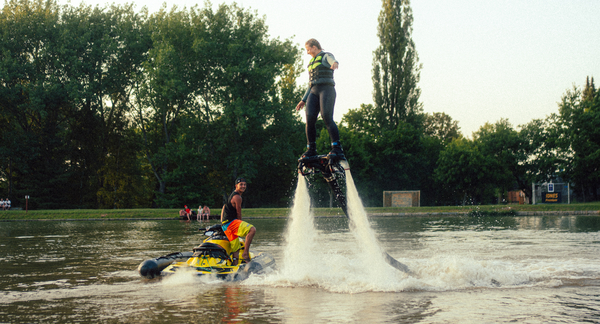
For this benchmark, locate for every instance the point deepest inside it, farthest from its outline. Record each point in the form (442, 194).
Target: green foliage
(463, 171)
(502, 146)
(219, 69)
(34, 104)
(104, 106)
(396, 71)
(578, 138)
(381, 159)
(440, 126)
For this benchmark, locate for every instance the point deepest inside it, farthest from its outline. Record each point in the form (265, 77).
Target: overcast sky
(482, 60)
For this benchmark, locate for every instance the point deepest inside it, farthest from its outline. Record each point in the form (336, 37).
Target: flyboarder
(320, 98)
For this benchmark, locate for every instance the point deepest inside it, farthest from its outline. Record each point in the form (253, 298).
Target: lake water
(464, 269)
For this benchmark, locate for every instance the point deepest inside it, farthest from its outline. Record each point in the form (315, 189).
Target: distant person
(320, 98)
(185, 212)
(205, 212)
(3, 204)
(233, 225)
(7, 203)
(188, 212)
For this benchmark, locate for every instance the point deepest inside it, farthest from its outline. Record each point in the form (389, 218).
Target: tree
(212, 108)
(589, 91)
(441, 126)
(579, 140)
(34, 103)
(170, 81)
(256, 123)
(463, 172)
(501, 145)
(382, 159)
(542, 140)
(67, 76)
(102, 51)
(396, 71)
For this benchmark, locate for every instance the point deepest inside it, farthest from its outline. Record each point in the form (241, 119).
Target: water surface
(464, 269)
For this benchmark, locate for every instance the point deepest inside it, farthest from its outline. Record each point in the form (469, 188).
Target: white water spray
(310, 259)
(364, 234)
(301, 234)
(354, 262)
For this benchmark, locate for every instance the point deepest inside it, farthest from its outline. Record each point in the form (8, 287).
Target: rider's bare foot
(246, 257)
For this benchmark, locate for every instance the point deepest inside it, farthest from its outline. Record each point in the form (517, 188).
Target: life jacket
(230, 213)
(320, 71)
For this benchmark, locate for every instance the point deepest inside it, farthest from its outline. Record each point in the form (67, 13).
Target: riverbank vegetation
(249, 213)
(108, 108)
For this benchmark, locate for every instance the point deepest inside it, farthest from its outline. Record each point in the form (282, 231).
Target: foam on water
(354, 262)
(187, 277)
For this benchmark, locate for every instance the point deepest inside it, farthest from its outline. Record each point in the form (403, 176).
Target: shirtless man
(233, 225)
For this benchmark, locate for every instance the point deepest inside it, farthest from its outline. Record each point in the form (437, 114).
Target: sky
(481, 60)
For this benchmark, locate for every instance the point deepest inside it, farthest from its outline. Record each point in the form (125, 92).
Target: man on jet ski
(233, 225)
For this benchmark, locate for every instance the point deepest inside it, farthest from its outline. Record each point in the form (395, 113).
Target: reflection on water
(465, 269)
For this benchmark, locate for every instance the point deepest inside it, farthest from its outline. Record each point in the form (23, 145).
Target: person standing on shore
(320, 98)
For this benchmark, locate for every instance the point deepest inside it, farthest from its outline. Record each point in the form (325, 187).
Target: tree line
(113, 108)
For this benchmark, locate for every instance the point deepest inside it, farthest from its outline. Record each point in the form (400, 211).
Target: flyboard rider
(233, 225)
(320, 98)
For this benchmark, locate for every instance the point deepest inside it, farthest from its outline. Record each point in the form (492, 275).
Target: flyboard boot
(310, 152)
(336, 153)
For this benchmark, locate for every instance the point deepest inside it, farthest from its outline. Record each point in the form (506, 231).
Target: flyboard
(334, 173)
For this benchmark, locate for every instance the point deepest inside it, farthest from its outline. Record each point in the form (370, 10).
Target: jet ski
(212, 257)
(334, 173)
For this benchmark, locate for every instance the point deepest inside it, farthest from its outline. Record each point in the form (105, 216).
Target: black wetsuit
(320, 98)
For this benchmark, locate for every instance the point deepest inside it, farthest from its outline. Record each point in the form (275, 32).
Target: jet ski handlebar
(210, 230)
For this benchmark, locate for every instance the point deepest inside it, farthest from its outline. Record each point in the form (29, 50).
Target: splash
(300, 234)
(364, 234)
(338, 262)
(354, 262)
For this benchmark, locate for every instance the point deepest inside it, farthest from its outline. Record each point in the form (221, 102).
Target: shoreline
(404, 214)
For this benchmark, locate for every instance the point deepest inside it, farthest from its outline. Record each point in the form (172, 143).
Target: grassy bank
(284, 212)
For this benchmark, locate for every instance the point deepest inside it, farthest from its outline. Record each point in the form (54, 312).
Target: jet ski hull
(212, 257)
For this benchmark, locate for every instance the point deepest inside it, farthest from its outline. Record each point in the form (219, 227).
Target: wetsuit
(320, 96)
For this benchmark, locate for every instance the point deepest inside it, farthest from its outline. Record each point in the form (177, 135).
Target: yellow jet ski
(212, 257)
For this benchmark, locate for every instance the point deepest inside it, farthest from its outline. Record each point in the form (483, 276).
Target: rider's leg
(249, 236)
(327, 100)
(235, 257)
(312, 109)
